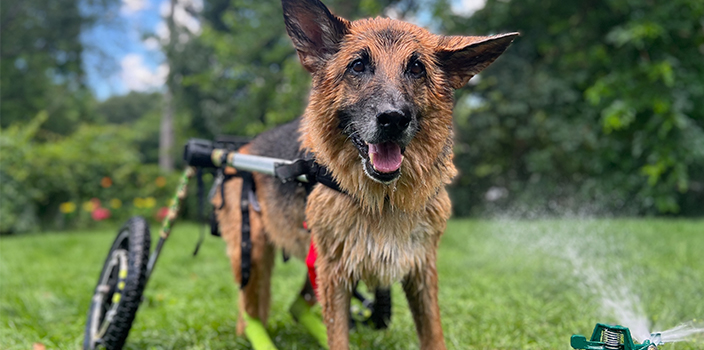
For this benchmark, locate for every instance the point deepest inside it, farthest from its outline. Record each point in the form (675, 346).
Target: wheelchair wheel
(120, 286)
(381, 311)
(375, 313)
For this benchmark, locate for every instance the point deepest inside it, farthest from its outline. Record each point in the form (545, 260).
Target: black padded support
(246, 244)
(315, 173)
(289, 172)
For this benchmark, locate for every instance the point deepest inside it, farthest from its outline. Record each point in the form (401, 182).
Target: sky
(124, 50)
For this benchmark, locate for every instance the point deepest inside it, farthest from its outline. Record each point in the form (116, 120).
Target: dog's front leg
(334, 296)
(421, 287)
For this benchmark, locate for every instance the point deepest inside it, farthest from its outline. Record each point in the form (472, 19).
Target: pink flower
(100, 214)
(161, 213)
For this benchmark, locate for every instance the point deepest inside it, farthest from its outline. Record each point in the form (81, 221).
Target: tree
(597, 102)
(40, 61)
(142, 113)
(129, 108)
(166, 131)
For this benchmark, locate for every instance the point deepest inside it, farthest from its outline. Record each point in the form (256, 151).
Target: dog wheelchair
(129, 263)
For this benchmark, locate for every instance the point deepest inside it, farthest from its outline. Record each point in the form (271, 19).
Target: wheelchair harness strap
(247, 200)
(246, 256)
(314, 172)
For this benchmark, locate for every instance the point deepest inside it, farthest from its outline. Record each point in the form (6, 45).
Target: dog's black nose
(393, 122)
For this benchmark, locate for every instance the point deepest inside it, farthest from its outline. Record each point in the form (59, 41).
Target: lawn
(503, 285)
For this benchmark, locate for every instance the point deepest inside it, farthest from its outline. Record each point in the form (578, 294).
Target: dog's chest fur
(379, 247)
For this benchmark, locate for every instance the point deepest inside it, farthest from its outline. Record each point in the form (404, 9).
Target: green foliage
(142, 113)
(129, 108)
(100, 162)
(597, 102)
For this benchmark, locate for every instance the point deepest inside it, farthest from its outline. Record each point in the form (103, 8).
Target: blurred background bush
(598, 108)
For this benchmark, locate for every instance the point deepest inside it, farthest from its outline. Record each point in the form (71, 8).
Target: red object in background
(100, 214)
(310, 262)
(161, 213)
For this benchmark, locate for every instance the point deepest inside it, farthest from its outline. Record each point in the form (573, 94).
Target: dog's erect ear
(316, 33)
(462, 57)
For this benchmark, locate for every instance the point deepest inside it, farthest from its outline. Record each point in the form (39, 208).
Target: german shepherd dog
(380, 119)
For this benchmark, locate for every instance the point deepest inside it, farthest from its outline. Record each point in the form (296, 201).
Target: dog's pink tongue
(385, 157)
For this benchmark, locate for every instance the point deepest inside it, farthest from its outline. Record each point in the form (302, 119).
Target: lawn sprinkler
(608, 337)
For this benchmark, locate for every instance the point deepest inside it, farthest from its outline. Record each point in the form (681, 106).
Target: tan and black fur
(375, 82)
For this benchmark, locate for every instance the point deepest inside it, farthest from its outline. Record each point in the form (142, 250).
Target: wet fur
(375, 232)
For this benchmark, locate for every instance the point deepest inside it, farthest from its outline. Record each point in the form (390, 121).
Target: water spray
(608, 337)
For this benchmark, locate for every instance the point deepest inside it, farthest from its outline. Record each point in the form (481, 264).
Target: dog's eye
(417, 69)
(358, 66)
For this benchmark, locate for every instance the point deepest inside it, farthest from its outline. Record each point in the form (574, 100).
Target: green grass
(503, 285)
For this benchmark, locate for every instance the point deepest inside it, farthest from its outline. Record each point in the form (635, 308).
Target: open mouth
(381, 161)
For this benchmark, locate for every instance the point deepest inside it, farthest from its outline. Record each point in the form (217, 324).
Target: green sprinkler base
(302, 313)
(607, 337)
(257, 334)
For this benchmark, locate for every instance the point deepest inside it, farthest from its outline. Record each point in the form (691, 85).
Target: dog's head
(382, 91)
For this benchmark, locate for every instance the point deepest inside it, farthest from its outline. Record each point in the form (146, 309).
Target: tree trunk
(166, 132)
